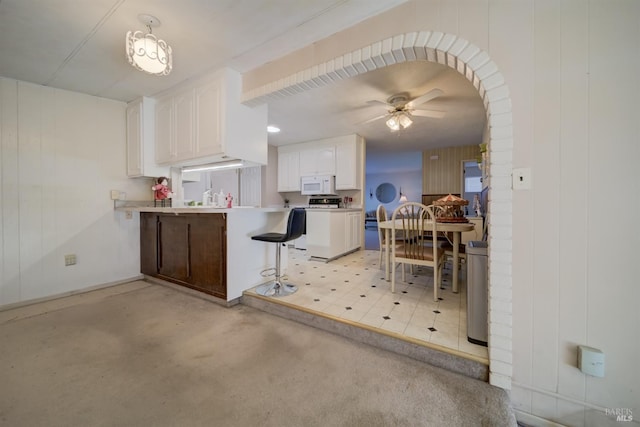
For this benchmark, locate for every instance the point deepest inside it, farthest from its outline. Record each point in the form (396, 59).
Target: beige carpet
(143, 354)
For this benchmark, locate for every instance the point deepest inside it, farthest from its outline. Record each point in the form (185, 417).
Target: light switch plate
(591, 361)
(115, 194)
(522, 179)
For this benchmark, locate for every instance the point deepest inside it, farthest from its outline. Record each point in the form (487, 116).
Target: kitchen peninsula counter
(209, 249)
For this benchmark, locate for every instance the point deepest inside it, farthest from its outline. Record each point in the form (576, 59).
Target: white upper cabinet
(288, 171)
(208, 127)
(342, 156)
(318, 161)
(204, 122)
(140, 140)
(349, 162)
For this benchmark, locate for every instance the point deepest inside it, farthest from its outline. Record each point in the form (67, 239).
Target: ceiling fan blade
(428, 113)
(380, 104)
(374, 119)
(433, 93)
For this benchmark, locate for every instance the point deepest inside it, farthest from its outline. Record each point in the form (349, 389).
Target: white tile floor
(353, 288)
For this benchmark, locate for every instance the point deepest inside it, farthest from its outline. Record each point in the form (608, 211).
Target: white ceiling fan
(401, 109)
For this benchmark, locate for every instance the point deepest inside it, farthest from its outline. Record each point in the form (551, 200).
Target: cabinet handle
(188, 250)
(159, 245)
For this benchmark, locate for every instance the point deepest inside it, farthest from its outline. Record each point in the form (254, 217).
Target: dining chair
(381, 215)
(413, 220)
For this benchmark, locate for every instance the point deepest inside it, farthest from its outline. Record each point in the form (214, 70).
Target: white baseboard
(534, 421)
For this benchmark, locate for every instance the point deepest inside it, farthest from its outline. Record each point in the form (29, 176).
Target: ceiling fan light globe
(393, 123)
(405, 121)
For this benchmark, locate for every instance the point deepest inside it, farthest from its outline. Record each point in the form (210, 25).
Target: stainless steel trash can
(477, 292)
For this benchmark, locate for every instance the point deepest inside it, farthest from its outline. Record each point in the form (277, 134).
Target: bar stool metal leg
(276, 288)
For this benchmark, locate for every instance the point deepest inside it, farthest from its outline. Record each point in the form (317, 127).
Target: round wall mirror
(386, 193)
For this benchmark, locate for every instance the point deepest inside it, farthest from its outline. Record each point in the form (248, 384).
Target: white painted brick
(500, 158)
(339, 67)
(500, 180)
(367, 57)
(500, 132)
(497, 267)
(501, 305)
(500, 207)
(469, 74)
(476, 83)
(447, 41)
(500, 292)
(419, 47)
(387, 55)
(396, 48)
(502, 330)
(499, 120)
(434, 39)
(478, 61)
(498, 256)
(501, 367)
(500, 282)
(486, 70)
(451, 60)
(499, 317)
(501, 106)
(501, 342)
(498, 170)
(501, 144)
(503, 245)
(347, 61)
(461, 67)
(356, 60)
(408, 45)
(468, 53)
(501, 355)
(458, 46)
(494, 80)
(376, 55)
(441, 57)
(501, 195)
(504, 219)
(502, 381)
(498, 93)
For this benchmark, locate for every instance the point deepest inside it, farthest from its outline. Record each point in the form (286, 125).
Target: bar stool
(295, 228)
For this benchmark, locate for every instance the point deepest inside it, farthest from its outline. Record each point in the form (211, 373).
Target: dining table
(455, 228)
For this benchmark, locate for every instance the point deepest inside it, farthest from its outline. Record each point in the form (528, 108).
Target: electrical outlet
(128, 215)
(122, 196)
(70, 260)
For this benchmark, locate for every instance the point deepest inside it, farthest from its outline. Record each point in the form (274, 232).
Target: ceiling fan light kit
(398, 120)
(401, 109)
(146, 52)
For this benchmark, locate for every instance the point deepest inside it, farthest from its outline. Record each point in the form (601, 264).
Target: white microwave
(318, 185)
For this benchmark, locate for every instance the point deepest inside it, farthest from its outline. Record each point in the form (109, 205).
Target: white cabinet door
(318, 161)
(354, 230)
(348, 166)
(164, 127)
(134, 139)
(208, 128)
(288, 171)
(183, 105)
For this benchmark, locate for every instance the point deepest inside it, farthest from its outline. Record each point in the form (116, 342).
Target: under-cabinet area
(209, 250)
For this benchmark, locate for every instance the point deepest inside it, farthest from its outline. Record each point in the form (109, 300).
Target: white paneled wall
(61, 153)
(564, 267)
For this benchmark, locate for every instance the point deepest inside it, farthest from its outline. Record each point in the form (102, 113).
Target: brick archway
(476, 65)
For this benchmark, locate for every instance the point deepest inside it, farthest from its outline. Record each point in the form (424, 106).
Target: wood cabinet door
(148, 243)
(173, 247)
(208, 254)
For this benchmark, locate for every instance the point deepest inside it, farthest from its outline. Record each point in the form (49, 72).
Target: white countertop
(197, 209)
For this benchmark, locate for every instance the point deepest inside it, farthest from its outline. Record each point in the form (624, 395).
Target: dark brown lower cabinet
(187, 249)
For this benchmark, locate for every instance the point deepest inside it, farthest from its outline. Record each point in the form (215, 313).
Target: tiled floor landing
(351, 291)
